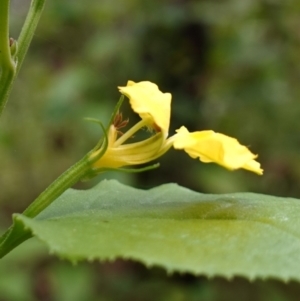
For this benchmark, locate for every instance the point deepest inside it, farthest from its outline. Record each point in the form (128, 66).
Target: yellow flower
(150, 103)
(145, 98)
(154, 108)
(215, 147)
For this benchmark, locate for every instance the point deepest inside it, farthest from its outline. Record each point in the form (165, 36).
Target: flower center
(119, 123)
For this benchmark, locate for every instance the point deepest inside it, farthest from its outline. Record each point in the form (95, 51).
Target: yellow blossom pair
(154, 109)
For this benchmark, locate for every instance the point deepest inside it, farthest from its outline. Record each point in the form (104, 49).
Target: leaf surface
(243, 234)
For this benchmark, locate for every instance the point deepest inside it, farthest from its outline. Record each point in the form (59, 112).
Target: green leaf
(243, 234)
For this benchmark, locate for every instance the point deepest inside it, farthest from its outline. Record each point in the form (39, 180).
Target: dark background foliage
(231, 66)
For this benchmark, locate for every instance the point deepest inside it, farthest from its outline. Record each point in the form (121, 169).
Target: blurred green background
(232, 66)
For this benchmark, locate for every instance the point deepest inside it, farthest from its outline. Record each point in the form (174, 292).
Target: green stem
(4, 33)
(6, 80)
(61, 184)
(28, 29)
(7, 65)
(8, 68)
(15, 235)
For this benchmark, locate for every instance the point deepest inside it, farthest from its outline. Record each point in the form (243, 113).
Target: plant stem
(13, 237)
(9, 69)
(7, 65)
(16, 234)
(28, 29)
(61, 184)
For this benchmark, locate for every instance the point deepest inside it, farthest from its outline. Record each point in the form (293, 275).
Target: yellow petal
(132, 153)
(214, 147)
(150, 103)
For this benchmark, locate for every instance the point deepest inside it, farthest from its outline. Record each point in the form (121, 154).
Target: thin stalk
(7, 65)
(9, 69)
(61, 184)
(28, 29)
(15, 235)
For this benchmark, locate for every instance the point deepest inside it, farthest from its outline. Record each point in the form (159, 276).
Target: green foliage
(243, 234)
(235, 70)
